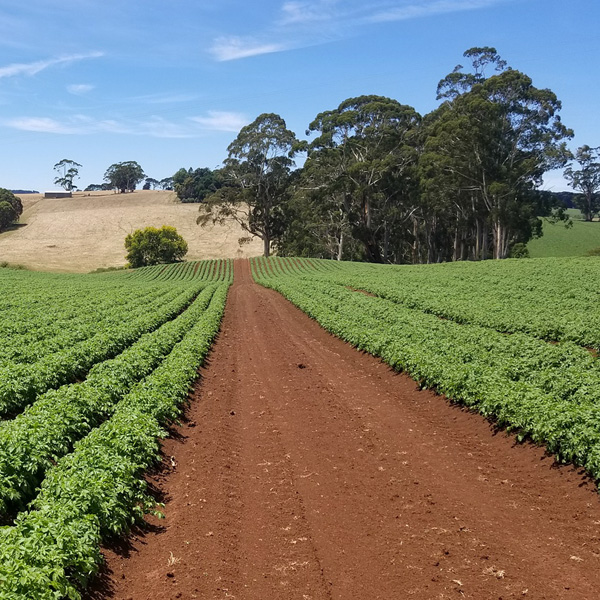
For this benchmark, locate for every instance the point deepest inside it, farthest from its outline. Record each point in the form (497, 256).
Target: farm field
(87, 232)
(446, 326)
(92, 368)
(301, 467)
(559, 242)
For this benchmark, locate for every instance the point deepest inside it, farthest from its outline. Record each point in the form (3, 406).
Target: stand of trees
(194, 185)
(384, 184)
(11, 208)
(124, 176)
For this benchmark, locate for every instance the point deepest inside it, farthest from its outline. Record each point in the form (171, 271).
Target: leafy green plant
(151, 246)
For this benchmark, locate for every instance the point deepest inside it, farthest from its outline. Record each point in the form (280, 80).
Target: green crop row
(553, 299)
(98, 489)
(42, 313)
(21, 383)
(31, 314)
(66, 329)
(207, 270)
(37, 438)
(549, 393)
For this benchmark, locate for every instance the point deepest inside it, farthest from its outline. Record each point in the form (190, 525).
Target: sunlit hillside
(87, 231)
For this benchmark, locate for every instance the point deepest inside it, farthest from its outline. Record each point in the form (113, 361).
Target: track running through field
(307, 470)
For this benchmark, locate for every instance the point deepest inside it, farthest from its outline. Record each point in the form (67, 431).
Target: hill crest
(87, 231)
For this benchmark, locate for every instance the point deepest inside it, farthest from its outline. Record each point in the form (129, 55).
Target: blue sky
(169, 84)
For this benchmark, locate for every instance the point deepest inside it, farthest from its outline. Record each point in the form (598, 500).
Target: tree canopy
(384, 184)
(67, 170)
(194, 185)
(152, 246)
(255, 178)
(586, 180)
(11, 208)
(124, 176)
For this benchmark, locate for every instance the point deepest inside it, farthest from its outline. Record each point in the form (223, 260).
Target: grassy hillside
(559, 241)
(87, 231)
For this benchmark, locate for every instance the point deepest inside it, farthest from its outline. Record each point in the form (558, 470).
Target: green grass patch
(559, 241)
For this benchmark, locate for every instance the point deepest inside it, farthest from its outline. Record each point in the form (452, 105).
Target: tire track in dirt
(309, 470)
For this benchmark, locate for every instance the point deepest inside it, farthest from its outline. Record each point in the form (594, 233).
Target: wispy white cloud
(303, 23)
(427, 9)
(165, 98)
(221, 121)
(77, 124)
(153, 126)
(33, 68)
(39, 124)
(162, 128)
(233, 47)
(80, 89)
(296, 13)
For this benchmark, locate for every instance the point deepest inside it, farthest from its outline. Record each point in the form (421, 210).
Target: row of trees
(383, 183)
(123, 176)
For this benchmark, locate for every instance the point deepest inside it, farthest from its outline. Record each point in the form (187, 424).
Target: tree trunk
(386, 242)
(415, 244)
(589, 214)
(266, 246)
(485, 240)
(340, 251)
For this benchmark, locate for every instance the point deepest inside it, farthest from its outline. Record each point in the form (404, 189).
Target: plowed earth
(307, 470)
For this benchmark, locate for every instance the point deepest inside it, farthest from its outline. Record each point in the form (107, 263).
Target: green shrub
(152, 246)
(519, 250)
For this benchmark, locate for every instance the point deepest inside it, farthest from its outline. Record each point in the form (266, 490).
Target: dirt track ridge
(308, 470)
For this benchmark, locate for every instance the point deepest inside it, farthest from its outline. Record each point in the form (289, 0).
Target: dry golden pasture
(86, 232)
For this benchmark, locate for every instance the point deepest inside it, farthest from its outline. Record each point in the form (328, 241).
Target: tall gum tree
(256, 177)
(586, 180)
(369, 144)
(67, 170)
(489, 145)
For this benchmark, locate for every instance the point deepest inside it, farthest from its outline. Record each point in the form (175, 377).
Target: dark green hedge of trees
(383, 183)
(11, 208)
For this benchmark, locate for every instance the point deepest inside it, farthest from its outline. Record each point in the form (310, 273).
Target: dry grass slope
(86, 232)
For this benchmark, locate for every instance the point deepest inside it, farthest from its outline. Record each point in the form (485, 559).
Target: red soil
(308, 470)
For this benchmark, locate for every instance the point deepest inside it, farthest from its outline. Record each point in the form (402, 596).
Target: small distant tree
(11, 208)
(586, 181)
(124, 176)
(152, 246)
(166, 183)
(98, 187)
(68, 170)
(151, 183)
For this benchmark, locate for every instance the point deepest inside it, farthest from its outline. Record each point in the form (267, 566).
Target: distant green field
(559, 241)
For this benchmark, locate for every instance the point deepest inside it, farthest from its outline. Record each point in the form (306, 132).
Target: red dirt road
(308, 470)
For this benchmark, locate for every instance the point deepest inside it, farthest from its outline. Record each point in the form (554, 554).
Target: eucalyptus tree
(67, 170)
(11, 208)
(586, 180)
(492, 141)
(362, 159)
(194, 185)
(255, 177)
(124, 176)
